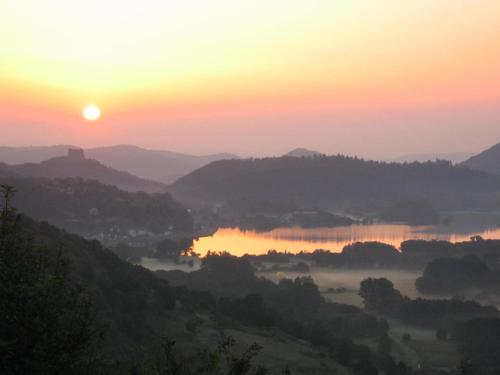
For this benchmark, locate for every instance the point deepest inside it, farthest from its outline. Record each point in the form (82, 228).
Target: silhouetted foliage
(47, 323)
(487, 161)
(169, 248)
(88, 169)
(300, 267)
(92, 209)
(442, 334)
(250, 310)
(384, 345)
(414, 212)
(456, 276)
(479, 342)
(337, 182)
(221, 360)
(294, 306)
(371, 254)
(414, 254)
(380, 295)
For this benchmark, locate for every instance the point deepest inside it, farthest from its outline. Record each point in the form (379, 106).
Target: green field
(327, 278)
(426, 349)
(422, 350)
(278, 349)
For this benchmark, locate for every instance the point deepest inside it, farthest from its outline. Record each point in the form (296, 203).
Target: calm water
(239, 242)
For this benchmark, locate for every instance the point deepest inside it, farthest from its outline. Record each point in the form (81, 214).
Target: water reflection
(239, 242)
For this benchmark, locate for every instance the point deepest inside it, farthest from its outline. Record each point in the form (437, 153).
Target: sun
(91, 112)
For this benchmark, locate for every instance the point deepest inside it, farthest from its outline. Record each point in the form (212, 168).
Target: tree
(406, 337)
(442, 334)
(221, 360)
(466, 367)
(380, 295)
(384, 345)
(47, 321)
(168, 248)
(479, 342)
(452, 275)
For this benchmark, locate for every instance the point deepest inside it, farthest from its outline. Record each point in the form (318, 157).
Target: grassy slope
(127, 297)
(423, 349)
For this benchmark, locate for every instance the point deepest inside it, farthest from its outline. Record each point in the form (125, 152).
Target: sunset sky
(376, 78)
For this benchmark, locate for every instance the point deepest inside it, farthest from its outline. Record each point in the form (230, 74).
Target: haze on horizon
(371, 78)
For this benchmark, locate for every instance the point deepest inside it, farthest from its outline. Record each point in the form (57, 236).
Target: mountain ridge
(301, 152)
(486, 161)
(94, 210)
(159, 165)
(454, 157)
(336, 183)
(81, 167)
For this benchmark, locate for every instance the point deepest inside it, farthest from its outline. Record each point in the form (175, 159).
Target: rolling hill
(486, 161)
(103, 212)
(136, 309)
(302, 153)
(159, 165)
(20, 155)
(88, 169)
(338, 182)
(128, 299)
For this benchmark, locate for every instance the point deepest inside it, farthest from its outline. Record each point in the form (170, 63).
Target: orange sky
(372, 77)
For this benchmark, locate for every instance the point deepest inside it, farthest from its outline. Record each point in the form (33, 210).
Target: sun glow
(186, 49)
(91, 112)
(238, 65)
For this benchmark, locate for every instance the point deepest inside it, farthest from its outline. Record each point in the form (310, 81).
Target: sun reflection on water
(238, 242)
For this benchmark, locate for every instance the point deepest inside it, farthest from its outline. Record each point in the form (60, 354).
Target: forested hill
(89, 169)
(487, 161)
(158, 165)
(130, 302)
(338, 182)
(94, 210)
(138, 312)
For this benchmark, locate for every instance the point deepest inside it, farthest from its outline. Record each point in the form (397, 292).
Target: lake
(238, 242)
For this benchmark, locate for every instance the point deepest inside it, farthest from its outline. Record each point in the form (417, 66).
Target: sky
(374, 78)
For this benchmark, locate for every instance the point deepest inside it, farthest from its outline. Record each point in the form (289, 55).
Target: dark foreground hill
(126, 297)
(88, 169)
(338, 182)
(486, 161)
(135, 309)
(94, 210)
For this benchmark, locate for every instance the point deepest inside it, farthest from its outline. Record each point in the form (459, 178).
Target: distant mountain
(88, 169)
(337, 183)
(302, 153)
(454, 157)
(486, 161)
(19, 155)
(159, 165)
